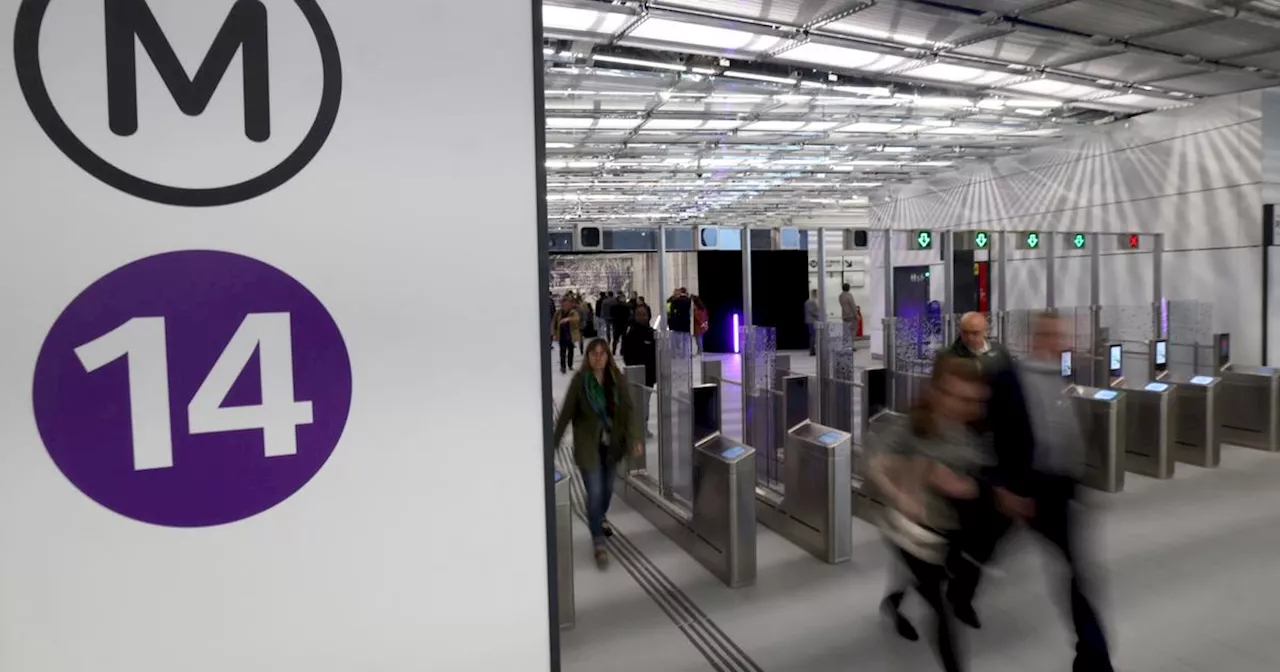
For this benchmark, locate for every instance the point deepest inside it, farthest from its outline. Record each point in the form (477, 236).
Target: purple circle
(85, 418)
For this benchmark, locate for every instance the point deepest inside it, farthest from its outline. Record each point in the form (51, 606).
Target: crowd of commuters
(992, 443)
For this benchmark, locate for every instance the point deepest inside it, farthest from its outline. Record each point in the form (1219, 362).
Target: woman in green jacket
(600, 409)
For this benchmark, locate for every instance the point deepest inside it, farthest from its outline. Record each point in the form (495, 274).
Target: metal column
(1098, 348)
(822, 312)
(948, 286)
(1157, 287)
(888, 322)
(1002, 286)
(1050, 249)
(661, 301)
(748, 364)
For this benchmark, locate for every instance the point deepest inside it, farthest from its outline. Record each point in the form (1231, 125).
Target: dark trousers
(619, 329)
(566, 355)
(812, 343)
(1054, 521)
(929, 580)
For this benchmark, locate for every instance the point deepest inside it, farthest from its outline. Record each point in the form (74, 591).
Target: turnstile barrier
(1250, 398)
(1148, 428)
(812, 507)
(1101, 413)
(564, 551)
(1195, 427)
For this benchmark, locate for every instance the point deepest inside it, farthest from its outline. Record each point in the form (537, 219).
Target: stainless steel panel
(1148, 429)
(1249, 398)
(1102, 423)
(813, 509)
(1195, 425)
(564, 552)
(718, 528)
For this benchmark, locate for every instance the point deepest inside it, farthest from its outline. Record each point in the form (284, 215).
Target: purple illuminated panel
(737, 346)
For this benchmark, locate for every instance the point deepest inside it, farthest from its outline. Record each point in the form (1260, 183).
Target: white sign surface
(245, 425)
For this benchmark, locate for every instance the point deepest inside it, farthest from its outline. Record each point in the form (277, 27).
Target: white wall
(397, 555)
(1193, 174)
(834, 243)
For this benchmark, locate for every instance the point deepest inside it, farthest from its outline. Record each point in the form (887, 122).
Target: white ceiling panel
(698, 35)
(841, 57)
(1057, 89)
(583, 20)
(957, 74)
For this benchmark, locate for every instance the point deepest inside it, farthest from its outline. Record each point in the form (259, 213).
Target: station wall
(1194, 174)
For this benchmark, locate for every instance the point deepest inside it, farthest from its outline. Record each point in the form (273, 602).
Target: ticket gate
(867, 502)
(564, 551)
(1250, 414)
(1148, 427)
(718, 528)
(1101, 413)
(1195, 426)
(812, 508)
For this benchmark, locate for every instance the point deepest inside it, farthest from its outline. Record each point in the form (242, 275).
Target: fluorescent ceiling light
(910, 128)
(898, 150)
(735, 98)
(583, 20)
(991, 104)
(874, 91)
(870, 162)
(841, 57)
(659, 65)
(869, 127)
(1031, 112)
(704, 71)
(793, 99)
(957, 74)
(938, 102)
(958, 130)
(853, 28)
(1034, 103)
(740, 74)
(584, 164)
(667, 30)
(791, 126)
(692, 124)
(1037, 133)
(1050, 87)
(934, 164)
(569, 122)
(857, 102)
(560, 145)
(805, 84)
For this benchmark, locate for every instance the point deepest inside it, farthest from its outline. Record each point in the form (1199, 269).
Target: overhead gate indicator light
(1033, 240)
(1078, 241)
(924, 240)
(981, 239)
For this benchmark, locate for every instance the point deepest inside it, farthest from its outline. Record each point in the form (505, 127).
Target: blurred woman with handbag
(925, 466)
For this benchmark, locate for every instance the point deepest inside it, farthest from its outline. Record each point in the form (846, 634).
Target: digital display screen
(1224, 347)
(1156, 387)
(1266, 370)
(1105, 395)
(829, 438)
(1115, 355)
(1201, 380)
(1162, 353)
(559, 476)
(736, 451)
(1066, 363)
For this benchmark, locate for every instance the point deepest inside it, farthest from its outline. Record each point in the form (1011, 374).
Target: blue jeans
(599, 484)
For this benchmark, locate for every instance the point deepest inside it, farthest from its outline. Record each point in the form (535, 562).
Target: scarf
(596, 399)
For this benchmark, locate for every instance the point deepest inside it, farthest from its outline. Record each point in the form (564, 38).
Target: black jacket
(639, 348)
(1006, 423)
(681, 316)
(620, 314)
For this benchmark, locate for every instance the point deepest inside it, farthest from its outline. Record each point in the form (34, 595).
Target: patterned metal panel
(1117, 18)
(591, 274)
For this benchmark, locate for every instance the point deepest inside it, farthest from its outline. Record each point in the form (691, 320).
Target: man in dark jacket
(639, 348)
(620, 317)
(1006, 429)
(680, 311)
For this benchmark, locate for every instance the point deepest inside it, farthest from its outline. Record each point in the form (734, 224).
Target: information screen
(1105, 395)
(1066, 364)
(1266, 370)
(736, 451)
(1201, 380)
(1156, 387)
(829, 438)
(1162, 353)
(1116, 354)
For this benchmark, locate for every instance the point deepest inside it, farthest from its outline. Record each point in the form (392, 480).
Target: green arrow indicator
(1033, 240)
(1078, 241)
(981, 239)
(924, 239)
